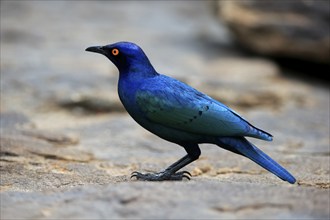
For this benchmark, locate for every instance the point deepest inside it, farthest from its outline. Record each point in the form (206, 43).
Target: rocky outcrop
(293, 29)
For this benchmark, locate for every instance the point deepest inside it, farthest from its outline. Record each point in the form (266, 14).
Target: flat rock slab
(201, 198)
(68, 147)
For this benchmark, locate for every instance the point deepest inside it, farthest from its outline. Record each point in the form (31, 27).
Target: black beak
(96, 49)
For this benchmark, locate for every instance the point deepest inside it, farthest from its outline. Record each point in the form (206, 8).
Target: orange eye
(115, 52)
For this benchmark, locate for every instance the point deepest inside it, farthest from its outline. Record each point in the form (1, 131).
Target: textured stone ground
(68, 147)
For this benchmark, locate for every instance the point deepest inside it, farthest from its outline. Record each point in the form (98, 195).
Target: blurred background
(62, 124)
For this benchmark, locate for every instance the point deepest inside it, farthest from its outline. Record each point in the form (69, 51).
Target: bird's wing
(182, 107)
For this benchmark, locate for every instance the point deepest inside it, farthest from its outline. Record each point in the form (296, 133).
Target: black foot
(161, 176)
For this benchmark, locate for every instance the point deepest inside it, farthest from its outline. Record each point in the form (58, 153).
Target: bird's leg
(171, 173)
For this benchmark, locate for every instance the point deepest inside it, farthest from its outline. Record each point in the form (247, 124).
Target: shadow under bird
(180, 114)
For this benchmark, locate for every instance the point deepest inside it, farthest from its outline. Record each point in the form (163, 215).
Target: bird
(180, 114)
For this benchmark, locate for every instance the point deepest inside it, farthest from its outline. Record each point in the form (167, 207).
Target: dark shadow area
(305, 70)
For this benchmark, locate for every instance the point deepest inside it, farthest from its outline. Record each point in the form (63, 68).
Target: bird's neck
(137, 72)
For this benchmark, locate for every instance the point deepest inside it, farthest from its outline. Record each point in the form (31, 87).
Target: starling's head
(126, 56)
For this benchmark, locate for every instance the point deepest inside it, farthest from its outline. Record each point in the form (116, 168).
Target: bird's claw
(185, 174)
(135, 174)
(161, 176)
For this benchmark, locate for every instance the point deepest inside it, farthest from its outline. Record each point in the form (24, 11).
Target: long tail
(242, 146)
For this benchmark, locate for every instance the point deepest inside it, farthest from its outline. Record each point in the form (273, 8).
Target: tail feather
(258, 133)
(241, 146)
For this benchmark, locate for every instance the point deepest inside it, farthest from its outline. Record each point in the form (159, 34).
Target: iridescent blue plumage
(179, 113)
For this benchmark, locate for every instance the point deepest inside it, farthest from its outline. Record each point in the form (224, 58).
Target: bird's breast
(127, 93)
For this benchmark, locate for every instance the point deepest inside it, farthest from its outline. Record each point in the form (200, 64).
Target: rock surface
(293, 29)
(68, 147)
